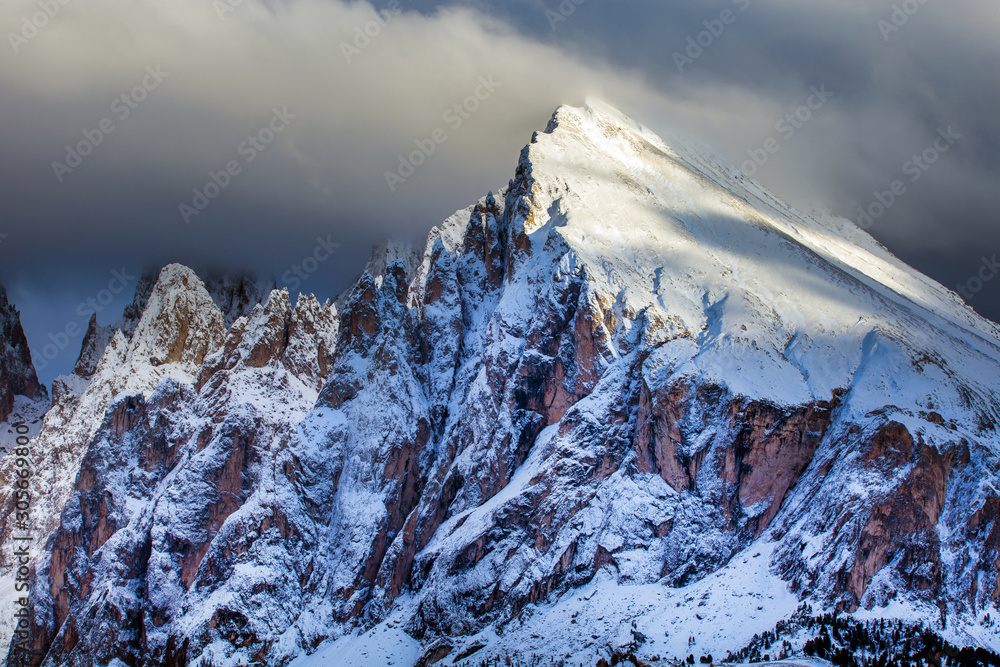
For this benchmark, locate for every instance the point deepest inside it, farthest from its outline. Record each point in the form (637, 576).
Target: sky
(245, 135)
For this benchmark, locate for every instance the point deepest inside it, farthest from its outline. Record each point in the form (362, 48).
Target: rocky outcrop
(17, 373)
(301, 339)
(97, 337)
(95, 341)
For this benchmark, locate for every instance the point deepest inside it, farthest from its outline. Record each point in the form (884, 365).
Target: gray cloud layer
(210, 82)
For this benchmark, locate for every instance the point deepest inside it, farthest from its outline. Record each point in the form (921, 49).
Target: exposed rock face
(917, 533)
(17, 373)
(300, 339)
(766, 452)
(628, 367)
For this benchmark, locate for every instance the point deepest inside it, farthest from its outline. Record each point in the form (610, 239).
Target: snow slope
(781, 304)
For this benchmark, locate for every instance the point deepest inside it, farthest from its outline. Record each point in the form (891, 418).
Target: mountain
(166, 332)
(632, 400)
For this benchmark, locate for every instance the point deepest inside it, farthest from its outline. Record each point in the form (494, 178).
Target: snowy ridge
(262, 379)
(79, 406)
(165, 333)
(23, 401)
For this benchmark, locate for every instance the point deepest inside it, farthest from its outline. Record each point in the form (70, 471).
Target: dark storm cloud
(351, 103)
(122, 118)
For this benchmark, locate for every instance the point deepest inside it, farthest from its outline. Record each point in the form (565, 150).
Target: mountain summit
(629, 399)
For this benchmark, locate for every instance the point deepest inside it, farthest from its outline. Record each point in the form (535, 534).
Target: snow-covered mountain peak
(180, 326)
(235, 294)
(691, 184)
(755, 295)
(602, 123)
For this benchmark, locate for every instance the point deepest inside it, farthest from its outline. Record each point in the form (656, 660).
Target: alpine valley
(631, 403)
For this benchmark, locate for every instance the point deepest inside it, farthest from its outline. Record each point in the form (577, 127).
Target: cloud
(362, 86)
(133, 148)
(353, 114)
